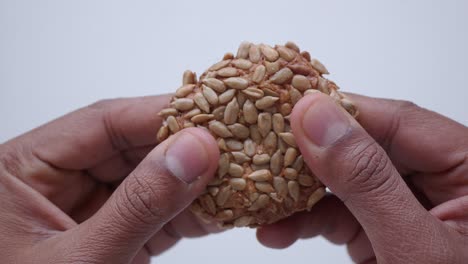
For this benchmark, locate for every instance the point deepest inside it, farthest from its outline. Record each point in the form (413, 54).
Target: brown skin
(92, 187)
(400, 187)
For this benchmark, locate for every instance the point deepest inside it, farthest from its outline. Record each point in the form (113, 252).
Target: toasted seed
(294, 190)
(319, 66)
(260, 175)
(219, 65)
(272, 67)
(240, 157)
(270, 142)
(280, 185)
(298, 163)
(208, 204)
(292, 46)
(266, 102)
(222, 144)
(250, 112)
(188, 78)
(215, 84)
(219, 112)
(226, 96)
(276, 197)
(219, 129)
(163, 133)
(306, 55)
(168, 112)
(264, 123)
(224, 215)
(231, 113)
(261, 159)
(210, 95)
(201, 102)
(278, 123)
(173, 124)
(259, 74)
(236, 83)
(254, 53)
(299, 69)
(305, 180)
(285, 109)
(223, 195)
(290, 173)
(260, 203)
(282, 145)
(238, 184)
(188, 124)
(250, 148)
(192, 113)
(228, 72)
(242, 64)
(276, 162)
(183, 104)
(243, 51)
(228, 56)
(295, 95)
(241, 98)
(264, 187)
(288, 137)
(270, 53)
(185, 90)
(323, 86)
(223, 164)
(253, 92)
(233, 144)
(315, 197)
(282, 76)
(349, 106)
(334, 94)
(201, 118)
(255, 134)
(269, 92)
(311, 91)
(290, 156)
(213, 190)
(255, 167)
(243, 221)
(301, 82)
(286, 53)
(235, 170)
(239, 130)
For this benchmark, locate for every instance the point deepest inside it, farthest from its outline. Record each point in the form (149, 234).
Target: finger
(164, 184)
(414, 138)
(329, 218)
(360, 249)
(356, 169)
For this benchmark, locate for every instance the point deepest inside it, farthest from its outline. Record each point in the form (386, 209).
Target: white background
(56, 56)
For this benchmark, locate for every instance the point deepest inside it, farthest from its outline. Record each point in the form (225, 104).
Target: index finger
(415, 138)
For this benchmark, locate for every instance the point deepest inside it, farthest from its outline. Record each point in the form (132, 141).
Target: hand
(91, 187)
(400, 190)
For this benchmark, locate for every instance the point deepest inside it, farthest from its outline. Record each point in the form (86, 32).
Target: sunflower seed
(223, 195)
(183, 104)
(213, 190)
(189, 77)
(222, 144)
(228, 72)
(241, 98)
(239, 130)
(243, 221)
(250, 112)
(211, 74)
(306, 55)
(292, 46)
(301, 82)
(272, 67)
(276, 197)
(270, 142)
(258, 74)
(290, 156)
(311, 91)
(261, 159)
(270, 92)
(255, 167)
(282, 145)
(210, 95)
(188, 124)
(295, 95)
(236, 83)
(208, 204)
(215, 84)
(253, 196)
(315, 197)
(223, 164)
(250, 148)
(334, 94)
(305, 180)
(260, 203)
(219, 112)
(290, 173)
(300, 69)
(294, 190)
(260, 175)
(201, 118)
(282, 76)
(231, 113)
(298, 163)
(235, 170)
(323, 85)
(226, 96)
(280, 185)
(219, 65)
(255, 134)
(185, 90)
(173, 124)
(266, 102)
(168, 112)
(278, 123)
(253, 92)
(264, 123)
(243, 51)
(238, 184)
(319, 66)
(219, 129)
(201, 102)
(233, 144)
(349, 106)
(288, 137)
(270, 53)
(240, 157)
(224, 215)
(163, 133)
(254, 53)
(285, 109)
(264, 187)
(242, 64)
(276, 162)
(286, 53)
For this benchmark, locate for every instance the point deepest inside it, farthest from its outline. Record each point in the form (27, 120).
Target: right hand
(400, 187)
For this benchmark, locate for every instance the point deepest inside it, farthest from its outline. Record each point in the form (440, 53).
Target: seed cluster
(245, 101)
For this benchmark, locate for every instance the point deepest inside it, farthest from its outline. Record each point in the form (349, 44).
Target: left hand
(93, 186)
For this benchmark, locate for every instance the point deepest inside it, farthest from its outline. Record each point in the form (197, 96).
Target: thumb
(357, 170)
(166, 181)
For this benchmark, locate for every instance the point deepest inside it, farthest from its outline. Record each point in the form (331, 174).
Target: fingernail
(324, 123)
(186, 157)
